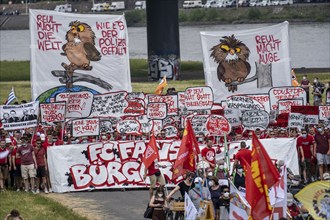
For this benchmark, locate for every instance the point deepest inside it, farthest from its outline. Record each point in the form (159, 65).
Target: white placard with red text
(289, 92)
(197, 98)
(85, 127)
(52, 112)
(78, 104)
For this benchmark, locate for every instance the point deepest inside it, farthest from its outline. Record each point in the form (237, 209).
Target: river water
(309, 43)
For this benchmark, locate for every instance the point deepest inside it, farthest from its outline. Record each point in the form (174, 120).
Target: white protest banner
(189, 207)
(286, 92)
(22, 116)
(170, 100)
(157, 126)
(311, 113)
(171, 132)
(217, 125)
(85, 127)
(284, 105)
(118, 164)
(233, 116)
(128, 126)
(109, 104)
(156, 110)
(135, 107)
(239, 207)
(146, 123)
(198, 98)
(296, 120)
(52, 112)
(88, 52)
(78, 104)
(263, 99)
(242, 102)
(246, 61)
(198, 123)
(181, 100)
(324, 113)
(254, 119)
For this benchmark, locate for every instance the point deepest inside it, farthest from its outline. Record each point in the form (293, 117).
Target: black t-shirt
(215, 197)
(185, 188)
(239, 181)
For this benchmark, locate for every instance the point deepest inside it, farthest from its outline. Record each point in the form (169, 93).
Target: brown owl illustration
(80, 48)
(231, 55)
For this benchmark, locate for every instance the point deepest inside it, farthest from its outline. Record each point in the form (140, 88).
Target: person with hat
(199, 192)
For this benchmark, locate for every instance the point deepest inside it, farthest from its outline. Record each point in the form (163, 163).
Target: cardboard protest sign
(286, 92)
(171, 132)
(242, 102)
(284, 105)
(198, 123)
(146, 123)
(157, 110)
(254, 119)
(233, 116)
(172, 120)
(85, 127)
(128, 126)
(198, 98)
(296, 120)
(78, 104)
(181, 100)
(158, 126)
(261, 61)
(58, 42)
(109, 104)
(109, 124)
(170, 100)
(311, 113)
(324, 113)
(135, 107)
(217, 125)
(22, 116)
(52, 112)
(263, 99)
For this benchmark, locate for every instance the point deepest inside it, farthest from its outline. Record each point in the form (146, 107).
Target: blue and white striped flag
(11, 97)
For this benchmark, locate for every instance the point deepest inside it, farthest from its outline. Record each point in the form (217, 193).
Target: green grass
(34, 207)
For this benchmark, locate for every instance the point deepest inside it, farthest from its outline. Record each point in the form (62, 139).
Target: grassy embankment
(34, 207)
(17, 74)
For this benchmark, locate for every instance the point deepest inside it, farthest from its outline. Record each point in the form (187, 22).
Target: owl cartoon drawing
(80, 47)
(231, 55)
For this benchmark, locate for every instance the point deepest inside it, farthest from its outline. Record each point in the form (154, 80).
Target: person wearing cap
(305, 143)
(28, 164)
(199, 192)
(322, 149)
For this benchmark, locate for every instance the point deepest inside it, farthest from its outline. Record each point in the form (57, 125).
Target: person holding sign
(208, 153)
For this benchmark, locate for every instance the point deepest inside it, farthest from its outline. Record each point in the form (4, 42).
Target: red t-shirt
(17, 159)
(3, 161)
(26, 152)
(322, 143)
(244, 154)
(152, 169)
(40, 153)
(209, 154)
(305, 143)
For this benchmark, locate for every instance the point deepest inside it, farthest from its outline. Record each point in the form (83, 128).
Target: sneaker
(50, 190)
(17, 190)
(34, 192)
(37, 191)
(46, 191)
(26, 190)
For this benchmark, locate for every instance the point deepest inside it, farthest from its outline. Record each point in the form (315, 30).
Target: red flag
(186, 155)
(268, 168)
(151, 152)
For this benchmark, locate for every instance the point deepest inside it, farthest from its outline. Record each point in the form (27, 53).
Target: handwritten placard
(181, 100)
(296, 120)
(135, 95)
(129, 127)
(198, 123)
(242, 102)
(254, 119)
(217, 125)
(78, 104)
(146, 123)
(157, 110)
(311, 113)
(109, 104)
(170, 100)
(47, 27)
(284, 105)
(171, 131)
(198, 98)
(287, 92)
(135, 107)
(158, 126)
(263, 99)
(109, 124)
(233, 116)
(52, 112)
(324, 113)
(85, 127)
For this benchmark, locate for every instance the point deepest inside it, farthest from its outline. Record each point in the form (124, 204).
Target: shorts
(41, 171)
(18, 171)
(28, 171)
(4, 172)
(156, 179)
(322, 159)
(306, 164)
